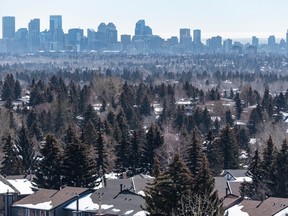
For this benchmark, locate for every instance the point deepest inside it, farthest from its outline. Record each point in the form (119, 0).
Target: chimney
(121, 188)
(124, 175)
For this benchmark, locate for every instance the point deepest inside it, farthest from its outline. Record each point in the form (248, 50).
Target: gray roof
(235, 172)
(57, 197)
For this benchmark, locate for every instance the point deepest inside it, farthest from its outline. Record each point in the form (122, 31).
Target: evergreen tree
(215, 157)
(122, 150)
(164, 195)
(238, 105)
(8, 88)
(255, 119)
(281, 172)
(229, 118)
(101, 152)
(136, 152)
(268, 164)
(194, 153)
(145, 108)
(79, 168)
(229, 147)
(154, 139)
(25, 148)
(17, 90)
(11, 164)
(48, 172)
(89, 134)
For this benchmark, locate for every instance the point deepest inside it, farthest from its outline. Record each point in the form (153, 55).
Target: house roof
(221, 186)
(234, 187)
(47, 199)
(140, 182)
(269, 207)
(112, 202)
(235, 172)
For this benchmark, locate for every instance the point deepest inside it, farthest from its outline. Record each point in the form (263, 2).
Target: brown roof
(235, 187)
(57, 197)
(268, 207)
(221, 186)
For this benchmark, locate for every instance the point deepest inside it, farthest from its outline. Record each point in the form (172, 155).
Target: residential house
(46, 202)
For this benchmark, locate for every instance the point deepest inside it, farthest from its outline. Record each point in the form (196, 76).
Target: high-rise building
(8, 27)
(56, 31)
(215, 44)
(185, 39)
(271, 41)
(197, 36)
(287, 40)
(227, 45)
(34, 35)
(255, 41)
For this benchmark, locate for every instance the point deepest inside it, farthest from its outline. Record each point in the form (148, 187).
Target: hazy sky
(229, 18)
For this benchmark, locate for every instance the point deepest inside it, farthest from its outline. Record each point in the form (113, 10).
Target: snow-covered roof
(241, 179)
(236, 211)
(24, 186)
(86, 204)
(42, 206)
(4, 188)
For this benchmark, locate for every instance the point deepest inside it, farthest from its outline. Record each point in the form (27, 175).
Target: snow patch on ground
(141, 213)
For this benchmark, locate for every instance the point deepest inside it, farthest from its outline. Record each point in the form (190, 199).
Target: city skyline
(230, 19)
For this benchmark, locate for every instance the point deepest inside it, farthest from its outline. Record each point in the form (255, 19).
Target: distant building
(255, 41)
(185, 39)
(215, 44)
(227, 45)
(21, 37)
(287, 40)
(197, 36)
(271, 41)
(34, 35)
(125, 41)
(8, 27)
(56, 32)
(74, 39)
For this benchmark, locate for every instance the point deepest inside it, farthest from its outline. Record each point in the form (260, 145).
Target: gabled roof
(235, 172)
(268, 207)
(47, 199)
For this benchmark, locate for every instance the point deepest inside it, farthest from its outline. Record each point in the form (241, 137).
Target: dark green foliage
(26, 150)
(17, 90)
(194, 153)
(11, 164)
(122, 150)
(32, 123)
(229, 148)
(89, 134)
(165, 193)
(48, 172)
(215, 156)
(101, 152)
(255, 119)
(229, 118)
(154, 140)
(8, 88)
(145, 107)
(135, 155)
(238, 105)
(79, 168)
(281, 172)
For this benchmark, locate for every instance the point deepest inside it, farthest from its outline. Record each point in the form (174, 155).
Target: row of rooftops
(126, 196)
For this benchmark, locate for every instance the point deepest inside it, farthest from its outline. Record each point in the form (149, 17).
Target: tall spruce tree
(101, 152)
(281, 172)
(164, 195)
(48, 172)
(25, 148)
(229, 147)
(79, 168)
(194, 153)
(268, 164)
(11, 164)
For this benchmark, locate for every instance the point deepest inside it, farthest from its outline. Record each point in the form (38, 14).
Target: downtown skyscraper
(8, 27)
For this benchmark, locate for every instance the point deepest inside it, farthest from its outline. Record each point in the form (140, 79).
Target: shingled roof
(47, 199)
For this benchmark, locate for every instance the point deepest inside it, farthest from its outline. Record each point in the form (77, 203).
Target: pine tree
(229, 147)
(194, 153)
(154, 139)
(79, 168)
(122, 150)
(229, 118)
(17, 90)
(215, 156)
(136, 153)
(48, 172)
(11, 164)
(26, 150)
(268, 164)
(238, 105)
(89, 134)
(281, 172)
(101, 152)
(164, 195)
